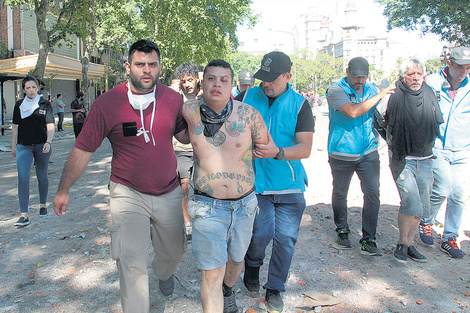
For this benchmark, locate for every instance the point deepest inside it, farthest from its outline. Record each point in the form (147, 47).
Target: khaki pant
(139, 221)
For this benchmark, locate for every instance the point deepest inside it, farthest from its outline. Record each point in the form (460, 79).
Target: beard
(141, 86)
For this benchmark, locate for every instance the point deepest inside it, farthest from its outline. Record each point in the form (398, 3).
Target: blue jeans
(367, 169)
(221, 229)
(451, 172)
(279, 219)
(414, 185)
(24, 158)
(61, 120)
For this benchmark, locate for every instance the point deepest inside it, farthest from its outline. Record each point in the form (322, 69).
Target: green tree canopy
(54, 22)
(318, 71)
(450, 19)
(191, 30)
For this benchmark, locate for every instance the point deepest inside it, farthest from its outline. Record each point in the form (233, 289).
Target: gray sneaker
(369, 247)
(401, 253)
(343, 241)
(230, 304)
(414, 254)
(22, 221)
(167, 286)
(274, 301)
(42, 211)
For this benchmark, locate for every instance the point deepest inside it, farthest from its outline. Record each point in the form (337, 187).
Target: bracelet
(48, 143)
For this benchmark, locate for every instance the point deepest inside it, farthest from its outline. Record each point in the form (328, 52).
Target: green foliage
(196, 30)
(319, 71)
(243, 60)
(450, 19)
(3, 51)
(55, 20)
(394, 74)
(433, 65)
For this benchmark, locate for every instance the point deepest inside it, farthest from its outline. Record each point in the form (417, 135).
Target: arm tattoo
(197, 128)
(242, 111)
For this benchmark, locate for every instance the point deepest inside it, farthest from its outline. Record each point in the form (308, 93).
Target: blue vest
(273, 176)
(352, 137)
(455, 131)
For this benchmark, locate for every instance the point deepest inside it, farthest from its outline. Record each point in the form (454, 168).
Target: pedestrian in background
(60, 111)
(32, 133)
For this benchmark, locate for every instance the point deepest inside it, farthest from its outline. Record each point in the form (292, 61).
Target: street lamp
(295, 55)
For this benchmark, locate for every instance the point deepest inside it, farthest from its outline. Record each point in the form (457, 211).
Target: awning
(57, 66)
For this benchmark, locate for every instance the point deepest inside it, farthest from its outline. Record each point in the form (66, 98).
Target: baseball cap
(246, 77)
(358, 67)
(273, 64)
(80, 94)
(460, 55)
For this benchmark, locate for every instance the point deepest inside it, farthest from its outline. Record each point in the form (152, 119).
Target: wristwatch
(280, 155)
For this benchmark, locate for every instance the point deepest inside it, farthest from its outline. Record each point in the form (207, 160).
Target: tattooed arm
(259, 131)
(192, 116)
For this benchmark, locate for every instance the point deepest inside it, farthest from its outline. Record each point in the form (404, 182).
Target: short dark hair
(29, 78)
(219, 63)
(58, 95)
(188, 68)
(145, 46)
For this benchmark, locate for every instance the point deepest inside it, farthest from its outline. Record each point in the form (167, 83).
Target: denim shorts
(414, 186)
(221, 228)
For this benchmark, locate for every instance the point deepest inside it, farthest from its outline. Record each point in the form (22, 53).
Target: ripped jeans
(221, 228)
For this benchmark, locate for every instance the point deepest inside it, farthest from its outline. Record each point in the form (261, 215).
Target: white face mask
(141, 102)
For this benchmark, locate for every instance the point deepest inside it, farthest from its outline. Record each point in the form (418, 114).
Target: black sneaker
(415, 255)
(343, 241)
(251, 278)
(42, 211)
(230, 304)
(369, 247)
(22, 221)
(274, 301)
(401, 253)
(167, 286)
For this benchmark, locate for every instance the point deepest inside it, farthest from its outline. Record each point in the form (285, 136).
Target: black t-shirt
(33, 130)
(305, 120)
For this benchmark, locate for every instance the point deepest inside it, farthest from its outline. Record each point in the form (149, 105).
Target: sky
(282, 14)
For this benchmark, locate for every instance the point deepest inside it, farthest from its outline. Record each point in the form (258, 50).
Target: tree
(243, 60)
(450, 19)
(50, 32)
(433, 65)
(191, 30)
(318, 71)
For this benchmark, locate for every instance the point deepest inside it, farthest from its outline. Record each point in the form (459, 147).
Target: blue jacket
(352, 137)
(273, 176)
(455, 131)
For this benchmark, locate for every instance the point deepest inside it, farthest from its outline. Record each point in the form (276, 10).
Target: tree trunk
(89, 46)
(41, 9)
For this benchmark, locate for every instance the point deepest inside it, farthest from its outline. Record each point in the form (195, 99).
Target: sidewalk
(62, 264)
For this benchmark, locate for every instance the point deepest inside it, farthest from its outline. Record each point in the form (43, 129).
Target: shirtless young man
(222, 132)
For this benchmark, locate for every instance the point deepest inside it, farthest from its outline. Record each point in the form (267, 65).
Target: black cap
(246, 77)
(460, 55)
(273, 64)
(358, 67)
(80, 94)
